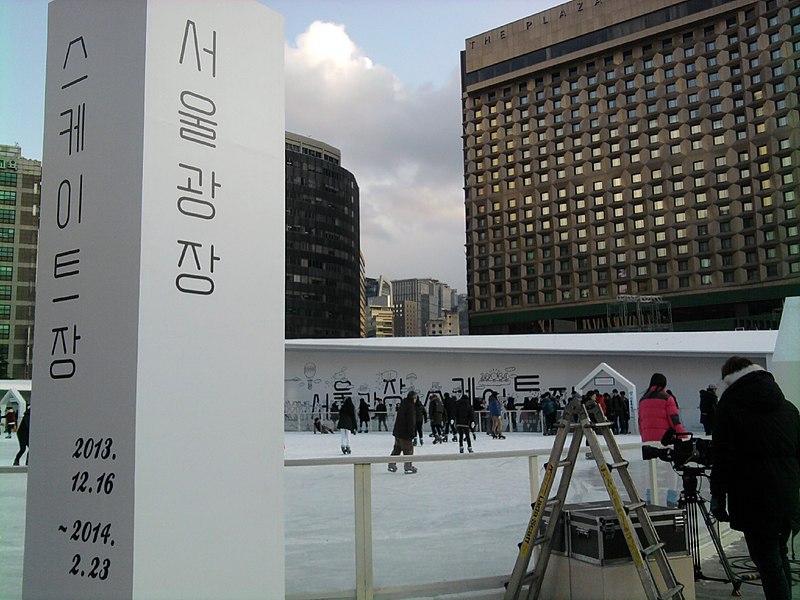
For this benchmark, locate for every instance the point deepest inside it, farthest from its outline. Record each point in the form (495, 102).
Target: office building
(20, 195)
(640, 151)
(432, 298)
(323, 258)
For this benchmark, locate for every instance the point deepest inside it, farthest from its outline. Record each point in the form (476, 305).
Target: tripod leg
(723, 559)
(694, 536)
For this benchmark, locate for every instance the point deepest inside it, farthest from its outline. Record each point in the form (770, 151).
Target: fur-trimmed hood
(752, 388)
(735, 376)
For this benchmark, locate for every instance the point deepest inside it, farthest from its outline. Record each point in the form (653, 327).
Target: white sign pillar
(161, 263)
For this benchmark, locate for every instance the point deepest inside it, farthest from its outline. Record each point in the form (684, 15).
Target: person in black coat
(708, 408)
(465, 422)
(363, 416)
(756, 469)
(380, 413)
(405, 428)
(421, 418)
(449, 416)
(347, 423)
(23, 432)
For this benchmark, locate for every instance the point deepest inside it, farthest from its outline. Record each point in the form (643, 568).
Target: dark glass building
(323, 275)
(633, 154)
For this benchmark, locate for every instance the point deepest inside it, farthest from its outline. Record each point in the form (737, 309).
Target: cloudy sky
(378, 79)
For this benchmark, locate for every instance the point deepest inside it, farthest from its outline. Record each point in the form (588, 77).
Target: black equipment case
(590, 532)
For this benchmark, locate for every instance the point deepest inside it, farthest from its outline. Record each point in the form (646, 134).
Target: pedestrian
(405, 427)
(625, 415)
(421, 418)
(708, 407)
(450, 417)
(436, 413)
(347, 423)
(380, 413)
(465, 422)
(363, 416)
(23, 432)
(756, 469)
(658, 411)
(511, 410)
(496, 414)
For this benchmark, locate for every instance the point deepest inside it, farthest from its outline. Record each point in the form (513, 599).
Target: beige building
(448, 324)
(20, 193)
(633, 147)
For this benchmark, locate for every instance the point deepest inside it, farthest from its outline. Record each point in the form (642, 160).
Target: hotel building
(629, 150)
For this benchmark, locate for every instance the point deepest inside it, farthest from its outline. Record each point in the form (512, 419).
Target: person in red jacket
(658, 411)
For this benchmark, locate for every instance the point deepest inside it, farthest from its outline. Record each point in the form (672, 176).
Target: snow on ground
(455, 519)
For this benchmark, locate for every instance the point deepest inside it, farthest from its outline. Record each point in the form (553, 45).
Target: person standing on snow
(756, 469)
(347, 423)
(421, 418)
(405, 428)
(380, 413)
(496, 414)
(436, 412)
(658, 411)
(450, 416)
(708, 408)
(465, 422)
(363, 416)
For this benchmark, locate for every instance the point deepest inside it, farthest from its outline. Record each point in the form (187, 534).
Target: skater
(380, 414)
(22, 437)
(614, 412)
(708, 407)
(625, 418)
(421, 419)
(756, 469)
(405, 426)
(363, 416)
(658, 411)
(11, 421)
(496, 414)
(436, 413)
(549, 410)
(465, 422)
(450, 416)
(320, 427)
(347, 423)
(511, 409)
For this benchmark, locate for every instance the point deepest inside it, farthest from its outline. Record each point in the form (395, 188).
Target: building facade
(20, 195)
(633, 147)
(323, 258)
(432, 297)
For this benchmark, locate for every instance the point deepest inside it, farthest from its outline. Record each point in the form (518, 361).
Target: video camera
(683, 451)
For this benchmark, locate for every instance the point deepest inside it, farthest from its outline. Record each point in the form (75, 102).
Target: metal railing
(365, 587)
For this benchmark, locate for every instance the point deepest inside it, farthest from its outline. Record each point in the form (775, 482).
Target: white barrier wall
(161, 244)
(320, 372)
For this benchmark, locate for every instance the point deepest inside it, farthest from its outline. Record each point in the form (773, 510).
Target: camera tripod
(694, 503)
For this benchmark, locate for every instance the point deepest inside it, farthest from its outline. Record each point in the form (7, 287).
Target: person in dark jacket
(708, 407)
(421, 418)
(511, 410)
(347, 423)
(496, 415)
(549, 409)
(756, 469)
(23, 432)
(363, 416)
(405, 428)
(465, 422)
(436, 413)
(450, 416)
(625, 415)
(380, 413)
(658, 411)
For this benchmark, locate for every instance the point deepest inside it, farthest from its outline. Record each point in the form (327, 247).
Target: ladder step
(672, 592)
(635, 506)
(540, 540)
(548, 503)
(563, 463)
(602, 425)
(650, 550)
(619, 465)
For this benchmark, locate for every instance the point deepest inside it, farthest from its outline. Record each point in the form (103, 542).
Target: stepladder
(584, 422)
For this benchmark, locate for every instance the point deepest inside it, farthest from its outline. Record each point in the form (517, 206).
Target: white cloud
(402, 144)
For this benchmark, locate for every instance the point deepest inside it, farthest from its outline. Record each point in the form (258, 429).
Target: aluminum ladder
(586, 420)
